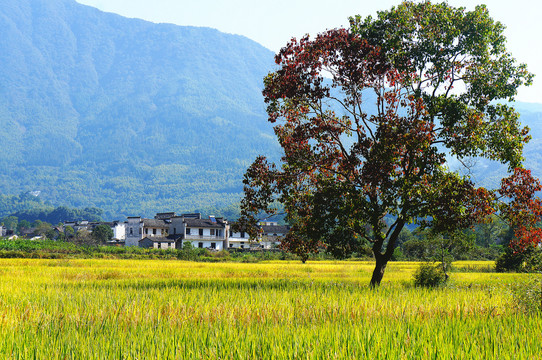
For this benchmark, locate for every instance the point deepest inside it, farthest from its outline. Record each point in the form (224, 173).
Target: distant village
(170, 231)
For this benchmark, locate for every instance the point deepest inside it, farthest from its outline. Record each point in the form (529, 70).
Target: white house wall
(219, 243)
(119, 232)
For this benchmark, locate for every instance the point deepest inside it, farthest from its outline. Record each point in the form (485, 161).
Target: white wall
(206, 243)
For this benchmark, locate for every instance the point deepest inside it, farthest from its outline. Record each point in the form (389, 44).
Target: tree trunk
(383, 258)
(378, 272)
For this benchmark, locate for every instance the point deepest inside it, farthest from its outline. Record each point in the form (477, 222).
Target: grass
(150, 309)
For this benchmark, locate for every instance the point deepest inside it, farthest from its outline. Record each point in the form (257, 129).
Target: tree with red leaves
(367, 117)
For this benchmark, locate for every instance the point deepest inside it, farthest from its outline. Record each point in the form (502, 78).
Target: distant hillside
(97, 110)
(126, 115)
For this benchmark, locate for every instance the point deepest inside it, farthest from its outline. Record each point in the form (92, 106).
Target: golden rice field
(145, 309)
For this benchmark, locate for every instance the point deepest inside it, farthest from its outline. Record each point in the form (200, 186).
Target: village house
(138, 229)
(211, 233)
(239, 240)
(271, 234)
(169, 231)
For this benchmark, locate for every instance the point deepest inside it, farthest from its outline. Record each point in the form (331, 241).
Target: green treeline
(27, 210)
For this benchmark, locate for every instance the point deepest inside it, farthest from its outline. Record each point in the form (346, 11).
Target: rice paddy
(152, 309)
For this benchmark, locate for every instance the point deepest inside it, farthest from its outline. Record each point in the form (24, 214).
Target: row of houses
(169, 231)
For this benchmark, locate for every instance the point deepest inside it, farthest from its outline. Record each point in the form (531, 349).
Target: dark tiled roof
(203, 223)
(155, 223)
(275, 229)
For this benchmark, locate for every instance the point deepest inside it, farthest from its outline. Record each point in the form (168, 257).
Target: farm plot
(124, 309)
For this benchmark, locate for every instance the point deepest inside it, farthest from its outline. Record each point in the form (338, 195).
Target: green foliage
(429, 275)
(102, 233)
(526, 260)
(126, 115)
(29, 208)
(348, 168)
(84, 245)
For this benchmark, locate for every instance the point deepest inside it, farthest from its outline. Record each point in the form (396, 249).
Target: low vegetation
(133, 309)
(50, 249)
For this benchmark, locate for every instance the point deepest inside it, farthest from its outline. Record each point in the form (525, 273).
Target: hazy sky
(273, 23)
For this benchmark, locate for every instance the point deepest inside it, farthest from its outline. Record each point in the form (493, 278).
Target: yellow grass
(137, 309)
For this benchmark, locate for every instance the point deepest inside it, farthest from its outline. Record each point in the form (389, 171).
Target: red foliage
(523, 210)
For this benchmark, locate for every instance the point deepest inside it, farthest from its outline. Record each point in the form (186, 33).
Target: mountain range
(133, 117)
(126, 115)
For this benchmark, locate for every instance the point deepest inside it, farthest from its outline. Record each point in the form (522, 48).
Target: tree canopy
(368, 119)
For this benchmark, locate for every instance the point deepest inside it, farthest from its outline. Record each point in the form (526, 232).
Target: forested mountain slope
(97, 110)
(127, 115)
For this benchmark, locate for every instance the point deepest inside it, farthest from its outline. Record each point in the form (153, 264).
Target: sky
(274, 23)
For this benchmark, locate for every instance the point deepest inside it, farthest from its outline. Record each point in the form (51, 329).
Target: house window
(200, 245)
(146, 231)
(159, 246)
(218, 232)
(187, 231)
(131, 231)
(212, 231)
(154, 231)
(242, 234)
(213, 245)
(200, 232)
(231, 233)
(231, 245)
(242, 246)
(139, 231)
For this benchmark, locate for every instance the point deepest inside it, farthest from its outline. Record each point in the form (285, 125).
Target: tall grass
(128, 309)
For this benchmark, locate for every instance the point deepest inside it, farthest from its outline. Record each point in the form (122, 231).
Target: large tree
(368, 118)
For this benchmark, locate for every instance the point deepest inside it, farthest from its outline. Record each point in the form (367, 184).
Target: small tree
(366, 118)
(448, 247)
(10, 222)
(84, 237)
(69, 233)
(102, 233)
(42, 228)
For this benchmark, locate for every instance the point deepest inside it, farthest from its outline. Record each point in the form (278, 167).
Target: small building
(169, 242)
(138, 228)
(271, 234)
(211, 233)
(239, 240)
(78, 225)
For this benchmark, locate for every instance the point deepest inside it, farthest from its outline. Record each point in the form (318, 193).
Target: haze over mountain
(127, 115)
(135, 117)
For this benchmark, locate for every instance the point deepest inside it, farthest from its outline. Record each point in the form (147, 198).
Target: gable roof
(155, 223)
(203, 223)
(159, 239)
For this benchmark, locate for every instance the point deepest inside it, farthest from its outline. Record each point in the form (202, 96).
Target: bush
(429, 275)
(529, 260)
(528, 296)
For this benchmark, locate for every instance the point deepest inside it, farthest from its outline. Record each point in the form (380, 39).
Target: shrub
(529, 260)
(429, 275)
(528, 296)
